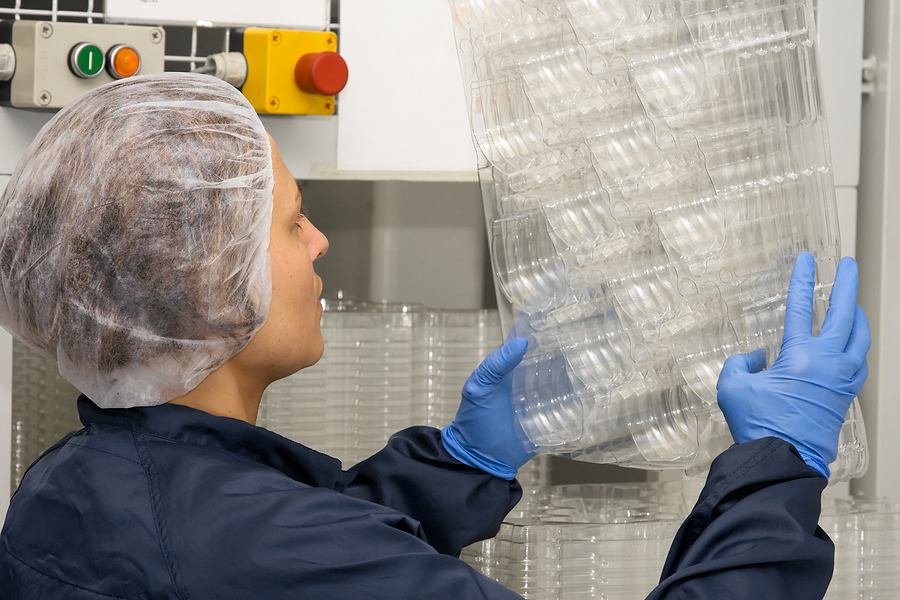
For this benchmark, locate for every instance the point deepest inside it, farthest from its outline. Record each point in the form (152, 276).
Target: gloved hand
(803, 397)
(483, 434)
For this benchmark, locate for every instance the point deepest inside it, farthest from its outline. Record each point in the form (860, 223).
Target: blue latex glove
(483, 434)
(803, 397)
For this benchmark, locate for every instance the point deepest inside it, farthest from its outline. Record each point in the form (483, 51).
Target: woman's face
(290, 339)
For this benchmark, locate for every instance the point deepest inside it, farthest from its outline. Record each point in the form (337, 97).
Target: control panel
(49, 64)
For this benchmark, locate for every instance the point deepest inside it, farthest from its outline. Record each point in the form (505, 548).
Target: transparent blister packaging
(584, 541)
(649, 174)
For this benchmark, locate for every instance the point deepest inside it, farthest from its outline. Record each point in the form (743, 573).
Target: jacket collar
(185, 425)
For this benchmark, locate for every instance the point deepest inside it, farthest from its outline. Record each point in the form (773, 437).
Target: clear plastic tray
(649, 173)
(866, 536)
(591, 541)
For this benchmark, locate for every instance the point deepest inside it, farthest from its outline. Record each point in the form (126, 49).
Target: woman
(155, 243)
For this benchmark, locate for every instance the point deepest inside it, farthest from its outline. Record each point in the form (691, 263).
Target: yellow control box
(273, 65)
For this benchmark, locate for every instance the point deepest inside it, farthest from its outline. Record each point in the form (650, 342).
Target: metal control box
(46, 73)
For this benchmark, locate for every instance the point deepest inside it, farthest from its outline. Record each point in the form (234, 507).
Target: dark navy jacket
(171, 502)
(753, 534)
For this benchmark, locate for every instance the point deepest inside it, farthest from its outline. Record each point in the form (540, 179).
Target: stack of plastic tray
(369, 380)
(386, 367)
(450, 344)
(587, 541)
(43, 407)
(866, 538)
(650, 171)
(840, 521)
(296, 406)
(880, 550)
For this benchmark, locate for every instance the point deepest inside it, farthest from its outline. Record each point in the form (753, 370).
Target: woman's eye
(303, 216)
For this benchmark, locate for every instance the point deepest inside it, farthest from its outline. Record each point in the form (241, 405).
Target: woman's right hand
(803, 397)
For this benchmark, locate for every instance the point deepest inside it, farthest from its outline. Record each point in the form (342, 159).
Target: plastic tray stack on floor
(585, 541)
(450, 344)
(385, 367)
(649, 172)
(43, 408)
(360, 392)
(369, 382)
(840, 522)
(866, 536)
(297, 406)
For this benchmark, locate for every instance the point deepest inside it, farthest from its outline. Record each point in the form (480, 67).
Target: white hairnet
(134, 236)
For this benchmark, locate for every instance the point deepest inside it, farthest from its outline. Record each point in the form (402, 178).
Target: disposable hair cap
(134, 237)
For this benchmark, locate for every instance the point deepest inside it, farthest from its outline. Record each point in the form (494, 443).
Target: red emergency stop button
(123, 61)
(321, 73)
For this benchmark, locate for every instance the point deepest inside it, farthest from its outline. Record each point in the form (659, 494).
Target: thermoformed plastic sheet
(649, 173)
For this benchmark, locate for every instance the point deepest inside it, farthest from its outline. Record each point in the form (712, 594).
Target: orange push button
(123, 61)
(322, 73)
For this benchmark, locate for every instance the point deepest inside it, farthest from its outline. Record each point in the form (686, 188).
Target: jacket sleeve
(754, 531)
(455, 504)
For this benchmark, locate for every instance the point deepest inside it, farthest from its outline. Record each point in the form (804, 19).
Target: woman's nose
(318, 244)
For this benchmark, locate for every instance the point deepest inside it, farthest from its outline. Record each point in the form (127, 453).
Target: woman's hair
(134, 236)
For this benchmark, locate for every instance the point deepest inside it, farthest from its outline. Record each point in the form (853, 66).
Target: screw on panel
(328, 105)
(156, 35)
(44, 98)
(273, 103)
(275, 38)
(331, 40)
(46, 30)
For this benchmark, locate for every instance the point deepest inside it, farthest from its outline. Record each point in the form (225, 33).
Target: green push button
(86, 60)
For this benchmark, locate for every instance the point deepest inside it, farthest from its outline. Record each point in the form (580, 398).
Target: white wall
(878, 250)
(840, 28)
(17, 129)
(403, 114)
